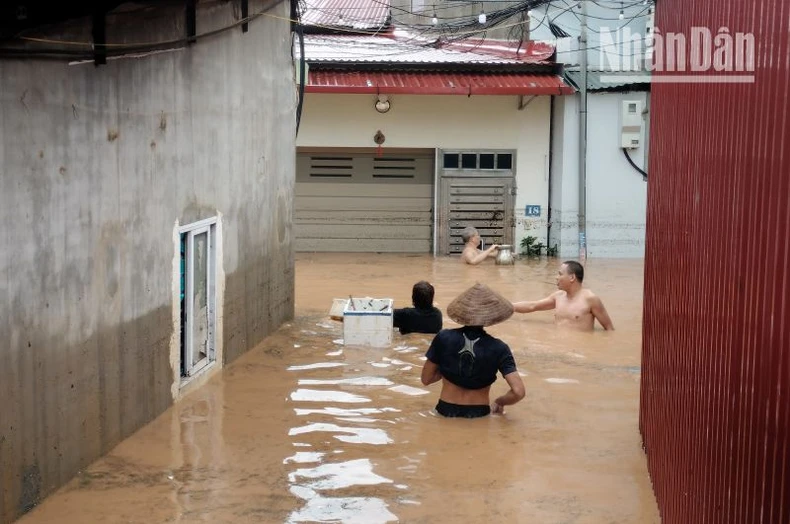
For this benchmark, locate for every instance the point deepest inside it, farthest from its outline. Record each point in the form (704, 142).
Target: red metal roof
(436, 83)
(527, 52)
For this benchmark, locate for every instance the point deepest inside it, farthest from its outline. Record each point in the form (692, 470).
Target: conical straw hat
(480, 306)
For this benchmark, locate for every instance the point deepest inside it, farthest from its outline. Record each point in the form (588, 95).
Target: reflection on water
(317, 365)
(409, 390)
(302, 429)
(320, 395)
(356, 381)
(304, 456)
(350, 510)
(339, 475)
(360, 435)
(339, 412)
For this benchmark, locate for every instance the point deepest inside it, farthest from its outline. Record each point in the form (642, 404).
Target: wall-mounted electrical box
(631, 124)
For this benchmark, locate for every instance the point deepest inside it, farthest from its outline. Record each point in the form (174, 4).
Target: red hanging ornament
(379, 139)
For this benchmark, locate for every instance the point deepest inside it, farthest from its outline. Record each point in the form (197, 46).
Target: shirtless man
(471, 255)
(574, 305)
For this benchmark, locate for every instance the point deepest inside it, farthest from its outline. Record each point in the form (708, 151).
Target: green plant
(530, 248)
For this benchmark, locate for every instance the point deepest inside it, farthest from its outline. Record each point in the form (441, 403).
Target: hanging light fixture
(622, 11)
(434, 20)
(382, 104)
(482, 17)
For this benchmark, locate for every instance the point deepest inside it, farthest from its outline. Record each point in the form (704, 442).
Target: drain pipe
(552, 111)
(583, 137)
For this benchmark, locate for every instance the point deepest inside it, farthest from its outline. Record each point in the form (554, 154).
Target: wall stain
(121, 383)
(31, 488)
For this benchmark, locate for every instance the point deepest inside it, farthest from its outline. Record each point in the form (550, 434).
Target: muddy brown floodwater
(304, 429)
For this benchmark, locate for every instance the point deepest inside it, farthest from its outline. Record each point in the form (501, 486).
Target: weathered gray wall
(98, 164)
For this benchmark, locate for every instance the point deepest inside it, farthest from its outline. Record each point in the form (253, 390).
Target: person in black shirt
(467, 359)
(423, 317)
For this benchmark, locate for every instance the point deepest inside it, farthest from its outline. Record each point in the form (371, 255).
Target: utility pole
(583, 135)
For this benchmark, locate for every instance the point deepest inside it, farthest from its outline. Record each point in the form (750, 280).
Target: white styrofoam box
(368, 322)
(338, 305)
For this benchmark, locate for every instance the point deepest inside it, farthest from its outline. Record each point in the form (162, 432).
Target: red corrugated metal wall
(715, 404)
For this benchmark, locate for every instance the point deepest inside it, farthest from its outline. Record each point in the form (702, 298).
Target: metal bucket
(505, 256)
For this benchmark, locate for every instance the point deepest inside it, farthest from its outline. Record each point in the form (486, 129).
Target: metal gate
(479, 198)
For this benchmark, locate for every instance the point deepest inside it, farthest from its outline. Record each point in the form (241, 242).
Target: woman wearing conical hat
(467, 359)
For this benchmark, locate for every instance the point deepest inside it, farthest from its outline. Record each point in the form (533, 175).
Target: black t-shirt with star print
(469, 357)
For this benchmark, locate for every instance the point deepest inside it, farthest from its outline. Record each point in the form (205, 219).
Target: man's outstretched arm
(479, 256)
(537, 305)
(599, 312)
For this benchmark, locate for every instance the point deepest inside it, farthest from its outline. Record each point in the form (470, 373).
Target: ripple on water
(317, 365)
(348, 510)
(356, 381)
(405, 349)
(321, 395)
(395, 361)
(345, 412)
(302, 457)
(339, 475)
(408, 390)
(562, 380)
(365, 420)
(373, 436)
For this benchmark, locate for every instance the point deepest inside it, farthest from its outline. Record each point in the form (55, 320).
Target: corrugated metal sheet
(610, 80)
(435, 83)
(388, 49)
(354, 14)
(715, 405)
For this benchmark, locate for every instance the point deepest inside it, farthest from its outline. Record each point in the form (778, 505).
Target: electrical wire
(630, 161)
(448, 32)
(126, 48)
(299, 30)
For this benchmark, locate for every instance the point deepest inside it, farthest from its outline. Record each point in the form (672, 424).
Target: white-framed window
(198, 295)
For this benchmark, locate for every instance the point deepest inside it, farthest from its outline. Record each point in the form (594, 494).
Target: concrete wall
(444, 122)
(99, 168)
(616, 193)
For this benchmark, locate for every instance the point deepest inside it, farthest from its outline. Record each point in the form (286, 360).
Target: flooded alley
(305, 429)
